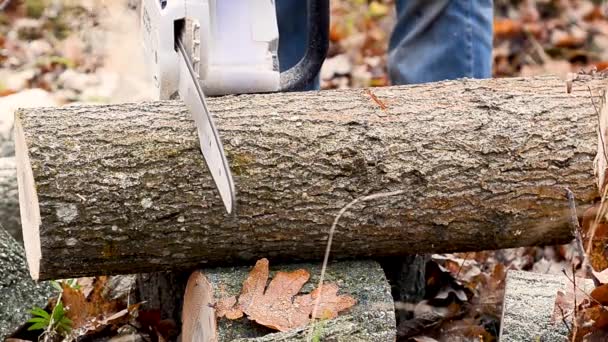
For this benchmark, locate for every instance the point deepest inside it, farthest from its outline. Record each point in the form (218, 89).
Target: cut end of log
(198, 314)
(601, 160)
(28, 203)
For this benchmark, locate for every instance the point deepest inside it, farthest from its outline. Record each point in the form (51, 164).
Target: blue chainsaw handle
(300, 75)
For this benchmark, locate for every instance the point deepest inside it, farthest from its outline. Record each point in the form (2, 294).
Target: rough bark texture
(124, 189)
(371, 319)
(9, 199)
(528, 307)
(18, 292)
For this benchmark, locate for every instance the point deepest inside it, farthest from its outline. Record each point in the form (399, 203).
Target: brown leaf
(505, 28)
(279, 307)
(600, 294)
(93, 313)
(274, 309)
(330, 304)
(227, 307)
(598, 256)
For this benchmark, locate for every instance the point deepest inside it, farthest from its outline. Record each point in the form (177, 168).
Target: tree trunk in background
(483, 163)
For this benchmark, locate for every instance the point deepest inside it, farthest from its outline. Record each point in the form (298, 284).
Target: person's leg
(441, 39)
(432, 41)
(292, 21)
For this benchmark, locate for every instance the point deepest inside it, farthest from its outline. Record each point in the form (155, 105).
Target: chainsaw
(218, 47)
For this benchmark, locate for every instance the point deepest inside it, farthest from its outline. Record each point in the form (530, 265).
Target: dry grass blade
(332, 231)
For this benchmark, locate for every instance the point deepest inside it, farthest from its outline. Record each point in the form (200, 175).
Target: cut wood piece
(198, 315)
(9, 199)
(18, 292)
(529, 303)
(371, 319)
(484, 163)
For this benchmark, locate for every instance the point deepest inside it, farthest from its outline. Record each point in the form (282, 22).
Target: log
(371, 319)
(18, 292)
(9, 201)
(482, 163)
(529, 304)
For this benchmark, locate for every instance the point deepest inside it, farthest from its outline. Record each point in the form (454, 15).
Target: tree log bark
(9, 202)
(371, 319)
(484, 163)
(18, 292)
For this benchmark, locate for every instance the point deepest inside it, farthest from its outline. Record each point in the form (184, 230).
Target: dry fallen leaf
(598, 256)
(227, 307)
(279, 307)
(92, 313)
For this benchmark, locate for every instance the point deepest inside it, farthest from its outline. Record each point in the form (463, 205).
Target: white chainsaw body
(233, 44)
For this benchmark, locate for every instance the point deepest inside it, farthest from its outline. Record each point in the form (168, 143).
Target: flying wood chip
(279, 307)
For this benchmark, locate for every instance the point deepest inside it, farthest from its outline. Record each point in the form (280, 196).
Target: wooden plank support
(372, 318)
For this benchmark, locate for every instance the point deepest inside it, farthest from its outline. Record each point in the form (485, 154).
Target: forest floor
(88, 51)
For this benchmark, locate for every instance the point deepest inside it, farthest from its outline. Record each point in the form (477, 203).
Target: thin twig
(576, 232)
(376, 99)
(332, 230)
(575, 304)
(583, 292)
(564, 319)
(466, 257)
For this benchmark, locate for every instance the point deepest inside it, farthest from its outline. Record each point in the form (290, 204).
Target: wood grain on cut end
(198, 315)
(28, 203)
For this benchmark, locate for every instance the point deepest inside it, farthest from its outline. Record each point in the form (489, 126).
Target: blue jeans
(433, 40)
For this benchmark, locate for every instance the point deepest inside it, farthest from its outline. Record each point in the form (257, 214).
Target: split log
(18, 292)
(371, 319)
(483, 163)
(9, 202)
